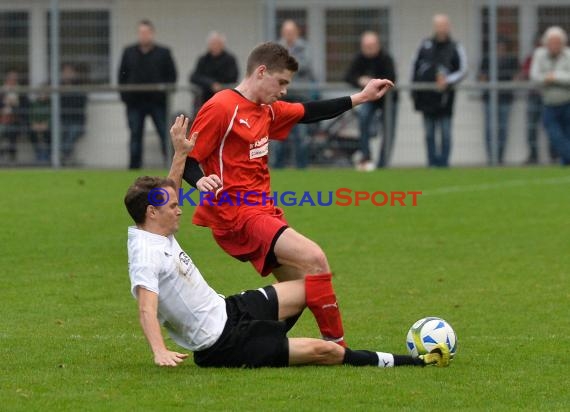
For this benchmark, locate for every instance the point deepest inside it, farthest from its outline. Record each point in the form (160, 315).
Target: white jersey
(191, 311)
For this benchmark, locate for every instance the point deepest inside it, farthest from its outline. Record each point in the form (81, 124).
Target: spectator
(215, 69)
(40, 131)
(551, 68)
(72, 113)
(13, 114)
(373, 62)
(299, 135)
(144, 63)
(533, 110)
(507, 66)
(440, 60)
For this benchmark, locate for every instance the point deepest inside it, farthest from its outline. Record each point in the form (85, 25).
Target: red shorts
(252, 238)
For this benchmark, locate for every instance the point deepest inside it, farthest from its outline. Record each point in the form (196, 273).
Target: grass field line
(481, 187)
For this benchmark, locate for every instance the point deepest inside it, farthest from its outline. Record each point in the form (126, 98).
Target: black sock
(290, 322)
(360, 358)
(403, 360)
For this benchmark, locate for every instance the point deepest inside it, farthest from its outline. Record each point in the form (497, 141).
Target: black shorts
(253, 336)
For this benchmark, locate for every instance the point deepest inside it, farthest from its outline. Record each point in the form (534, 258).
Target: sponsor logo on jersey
(185, 264)
(184, 258)
(259, 148)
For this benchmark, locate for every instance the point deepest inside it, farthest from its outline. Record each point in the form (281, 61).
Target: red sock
(321, 300)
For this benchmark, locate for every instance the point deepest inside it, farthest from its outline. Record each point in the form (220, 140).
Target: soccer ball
(428, 332)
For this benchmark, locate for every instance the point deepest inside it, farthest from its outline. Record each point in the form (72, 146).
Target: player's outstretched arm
(182, 147)
(327, 109)
(148, 309)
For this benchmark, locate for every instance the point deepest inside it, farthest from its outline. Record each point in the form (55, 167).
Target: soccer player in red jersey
(230, 159)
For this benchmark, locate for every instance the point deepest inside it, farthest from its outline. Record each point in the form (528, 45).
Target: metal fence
(332, 143)
(72, 115)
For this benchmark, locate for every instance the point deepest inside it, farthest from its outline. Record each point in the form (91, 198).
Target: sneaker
(366, 166)
(532, 160)
(439, 356)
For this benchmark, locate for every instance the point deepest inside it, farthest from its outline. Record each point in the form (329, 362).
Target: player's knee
(317, 260)
(324, 349)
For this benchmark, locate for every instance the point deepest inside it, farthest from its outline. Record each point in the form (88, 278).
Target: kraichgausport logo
(340, 197)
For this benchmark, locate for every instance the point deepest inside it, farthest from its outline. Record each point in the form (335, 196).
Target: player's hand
(374, 90)
(169, 358)
(441, 82)
(550, 78)
(209, 183)
(178, 135)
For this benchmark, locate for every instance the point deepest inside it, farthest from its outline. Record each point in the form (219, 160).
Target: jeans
(70, 133)
(299, 139)
(438, 154)
(504, 110)
(10, 132)
(366, 114)
(41, 141)
(533, 112)
(136, 114)
(368, 127)
(556, 121)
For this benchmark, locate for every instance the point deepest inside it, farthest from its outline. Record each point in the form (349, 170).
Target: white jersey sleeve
(144, 267)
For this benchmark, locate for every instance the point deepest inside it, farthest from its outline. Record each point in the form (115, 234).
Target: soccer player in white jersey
(247, 329)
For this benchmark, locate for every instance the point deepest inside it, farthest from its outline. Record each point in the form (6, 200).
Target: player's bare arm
(182, 146)
(148, 309)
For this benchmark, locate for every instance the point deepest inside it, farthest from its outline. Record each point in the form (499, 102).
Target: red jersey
(233, 143)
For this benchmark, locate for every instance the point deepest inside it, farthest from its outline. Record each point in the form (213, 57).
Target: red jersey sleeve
(211, 123)
(285, 116)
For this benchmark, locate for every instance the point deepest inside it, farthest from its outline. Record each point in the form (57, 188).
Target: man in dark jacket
(214, 69)
(373, 62)
(442, 61)
(507, 68)
(145, 63)
(72, 113)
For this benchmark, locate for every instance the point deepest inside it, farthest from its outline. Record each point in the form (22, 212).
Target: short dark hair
(146, 22)
(272, 55)
(136, 199)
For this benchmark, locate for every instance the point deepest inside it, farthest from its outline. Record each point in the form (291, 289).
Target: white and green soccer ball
(428, 332)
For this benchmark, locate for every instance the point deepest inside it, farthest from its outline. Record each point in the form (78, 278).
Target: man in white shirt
(247, 329)
(551, 68)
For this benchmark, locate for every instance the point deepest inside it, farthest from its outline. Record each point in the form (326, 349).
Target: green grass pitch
(486, 249)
